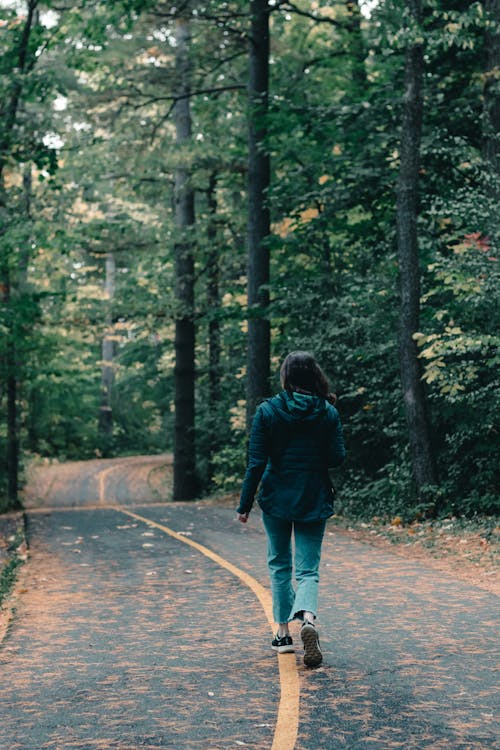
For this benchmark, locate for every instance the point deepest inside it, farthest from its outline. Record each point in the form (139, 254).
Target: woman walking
(296, 436)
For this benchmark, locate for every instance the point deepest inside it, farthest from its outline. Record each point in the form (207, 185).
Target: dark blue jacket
(295, 438)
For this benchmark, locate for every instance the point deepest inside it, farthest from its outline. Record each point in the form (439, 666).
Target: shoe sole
(312, 652)
(283, 649)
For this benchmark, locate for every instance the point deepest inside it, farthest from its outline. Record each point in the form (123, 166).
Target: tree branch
(228, 59)
(176, 98)
(292, 8)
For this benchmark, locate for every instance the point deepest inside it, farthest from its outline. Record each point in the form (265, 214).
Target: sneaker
(312, 652)
(283, 645)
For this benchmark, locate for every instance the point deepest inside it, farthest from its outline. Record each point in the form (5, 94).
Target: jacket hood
(293, 406)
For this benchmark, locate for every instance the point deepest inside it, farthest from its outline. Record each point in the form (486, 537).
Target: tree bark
(409, 268)
(214, 337)
(491, 106)
(108, 352)
(25, 62)
(12, 452)
(12, 434)
(185, 485)
(259, 339)
(357, 47)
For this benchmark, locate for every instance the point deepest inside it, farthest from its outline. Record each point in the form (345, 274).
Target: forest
(190, 189)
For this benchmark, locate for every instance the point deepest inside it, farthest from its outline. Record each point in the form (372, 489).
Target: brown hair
(301, 372)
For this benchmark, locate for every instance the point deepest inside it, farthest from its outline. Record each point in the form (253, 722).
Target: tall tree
(356, 45)
(20, 61)
(258, 368)
(108, 350)
(185, 485)
(491, 100)
(408, 254)
(214, 333)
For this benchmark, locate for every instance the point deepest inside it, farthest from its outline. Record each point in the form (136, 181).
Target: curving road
(141, 624)
(128, 480)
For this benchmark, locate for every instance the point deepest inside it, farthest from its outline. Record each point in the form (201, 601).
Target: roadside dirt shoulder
(469, 553)
(13, 556)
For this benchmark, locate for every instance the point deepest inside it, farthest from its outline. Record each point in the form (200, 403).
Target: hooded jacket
(295, 438)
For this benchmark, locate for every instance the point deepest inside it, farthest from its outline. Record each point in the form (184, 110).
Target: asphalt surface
(125, 637)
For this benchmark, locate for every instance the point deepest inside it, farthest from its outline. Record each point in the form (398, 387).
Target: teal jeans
(288, 603)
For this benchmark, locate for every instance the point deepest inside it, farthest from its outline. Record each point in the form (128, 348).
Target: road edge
(13, 574)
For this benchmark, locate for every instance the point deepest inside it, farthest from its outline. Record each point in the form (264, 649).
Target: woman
(296, 436)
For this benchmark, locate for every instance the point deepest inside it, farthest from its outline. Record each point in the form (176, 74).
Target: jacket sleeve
(336, 447)
(257, 459)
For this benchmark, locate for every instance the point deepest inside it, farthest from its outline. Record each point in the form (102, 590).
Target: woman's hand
(243, 517)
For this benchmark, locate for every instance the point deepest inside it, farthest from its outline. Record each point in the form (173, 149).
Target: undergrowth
(8, 573)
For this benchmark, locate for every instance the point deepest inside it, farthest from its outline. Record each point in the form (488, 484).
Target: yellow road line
(287, 722)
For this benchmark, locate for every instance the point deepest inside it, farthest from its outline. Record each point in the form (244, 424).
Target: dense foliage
(88, 174)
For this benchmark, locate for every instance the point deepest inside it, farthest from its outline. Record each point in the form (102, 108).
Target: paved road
(87, 483)
(125, 637)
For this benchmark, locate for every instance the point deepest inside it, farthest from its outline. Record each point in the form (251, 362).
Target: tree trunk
(491, 106)
(108, 352)
(214, 337)
(356, 47)
(185, 485)
(12, 432)
(259, 339)
(9, 372)
(12, 451)
(25, 62)
(409, 267)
